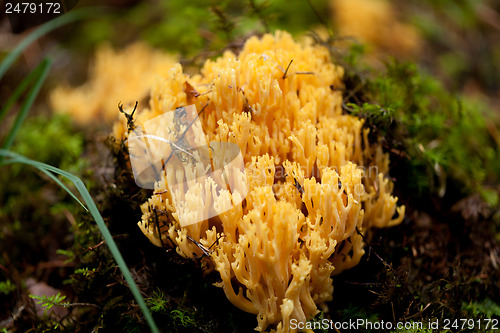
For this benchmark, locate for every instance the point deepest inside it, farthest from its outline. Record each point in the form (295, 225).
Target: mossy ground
(443, 261)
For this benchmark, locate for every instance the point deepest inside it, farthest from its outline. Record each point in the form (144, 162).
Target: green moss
(6, 287)
(444, 140)
(157, 302)
(482, 309)
(47, 302)
(184, 317)
(51, 140)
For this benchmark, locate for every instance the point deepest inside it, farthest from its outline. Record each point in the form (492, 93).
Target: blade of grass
(41, 72)
(42, 30)
(54, 178)
(100, 224)
(64, 187)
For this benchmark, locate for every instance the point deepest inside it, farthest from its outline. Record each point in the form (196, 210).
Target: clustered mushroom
(315, 184)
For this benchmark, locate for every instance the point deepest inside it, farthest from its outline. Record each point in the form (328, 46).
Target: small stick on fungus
(206, 92)
(161, 192)
(287, 68)
(246, 106)
(130, 117)
(157, 224)
(158, 228)
(205, 251)
(305, 73)
(203, 248)
(298, 186)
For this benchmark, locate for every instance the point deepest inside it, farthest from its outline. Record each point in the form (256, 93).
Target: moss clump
(486, 308)
(444, 143)
(52, 140)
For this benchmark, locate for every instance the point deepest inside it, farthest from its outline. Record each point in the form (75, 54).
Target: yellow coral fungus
(375, 22)
(315, 183)
(124, 76)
